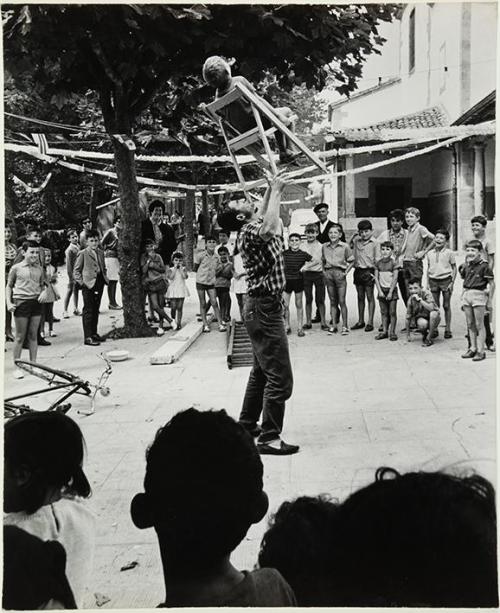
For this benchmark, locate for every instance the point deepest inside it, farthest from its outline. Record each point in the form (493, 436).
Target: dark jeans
(412, 269)
(224, 299)
(271, 380)
(91, 302)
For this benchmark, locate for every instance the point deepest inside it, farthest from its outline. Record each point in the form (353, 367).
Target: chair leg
(263, 138)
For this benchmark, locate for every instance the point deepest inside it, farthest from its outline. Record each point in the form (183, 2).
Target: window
(411, 41)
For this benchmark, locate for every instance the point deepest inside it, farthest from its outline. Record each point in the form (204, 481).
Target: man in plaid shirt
(271, 380)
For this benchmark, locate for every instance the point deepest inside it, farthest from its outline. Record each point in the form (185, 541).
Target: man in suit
(162, 233)
(90, 274)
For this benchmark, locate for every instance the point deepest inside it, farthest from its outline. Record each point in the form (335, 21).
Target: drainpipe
(455, 198)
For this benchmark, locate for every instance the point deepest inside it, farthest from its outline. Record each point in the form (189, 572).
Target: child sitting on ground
(239, 114)
(294, 259)
(202, 492)
(205, 265)
(313, 277)
(422, 309)
(44, 484)
(477, 297)
(364, 247)
(386, 280)
(177, 288)
(223, 276)
(155, 283)
(441, 275)
(239, 279)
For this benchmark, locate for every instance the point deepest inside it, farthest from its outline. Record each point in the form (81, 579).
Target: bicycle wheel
(52, 375)
(11, 410)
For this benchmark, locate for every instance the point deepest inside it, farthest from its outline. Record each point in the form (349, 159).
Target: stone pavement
(357, 404)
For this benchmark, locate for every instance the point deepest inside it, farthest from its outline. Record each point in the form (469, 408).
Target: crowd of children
(395, 258)
(424, 539)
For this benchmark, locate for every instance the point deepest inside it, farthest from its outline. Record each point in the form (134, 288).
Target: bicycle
(58, 380)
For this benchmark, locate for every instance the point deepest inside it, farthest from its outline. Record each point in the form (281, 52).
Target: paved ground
(357, 404)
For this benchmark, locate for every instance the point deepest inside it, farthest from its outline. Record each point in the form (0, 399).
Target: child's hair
(414, 210)
(415, 281)
(33, 230)
(335, 226)
(214, 65)
(444, 232)
(474, 244)
(87, 219)
(397, 214)
(294, 235)
(156, 204)
(311, 227)
(387, 245)
(365, 224)
(418, 539)
(298, 543)
(177, 254)
(70, 233)
(50, 447)
(480, 219)
(93, 234)
(30, 245)
(149, 242)
(223, 250)
(210, 238)
(225, 232)
(203, 488)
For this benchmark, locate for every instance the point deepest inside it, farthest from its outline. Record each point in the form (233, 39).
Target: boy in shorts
(205, 266)
(337, 260)
(313, 277)
(386, 280)
(441, 274)
(294, 259)
(203, 489)
(423, 310)
(364, 246)
(477, 297)
(239, 114)
(223, 275)
(478, 227)
(418, 242)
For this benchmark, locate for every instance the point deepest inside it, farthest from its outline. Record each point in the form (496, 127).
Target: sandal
(206, 329)
(332, 330)
(381, 335)
(359, 326)
(301, 333)
(427, 342)
(393, 337)
(448, 334)
(222, 328)
(345, 331)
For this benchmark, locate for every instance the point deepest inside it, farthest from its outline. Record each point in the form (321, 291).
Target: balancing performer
(270, 383)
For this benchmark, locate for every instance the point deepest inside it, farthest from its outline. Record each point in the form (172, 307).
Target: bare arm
(271, 225)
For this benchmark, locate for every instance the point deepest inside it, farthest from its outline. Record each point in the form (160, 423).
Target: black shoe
(56, 320)
(307, 326)
(43, 343)
(316, 320)
(98, 338)
(91, 341)
(283, 449)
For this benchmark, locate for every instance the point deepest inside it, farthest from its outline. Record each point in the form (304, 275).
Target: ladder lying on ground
(253, 140)
(239, 347)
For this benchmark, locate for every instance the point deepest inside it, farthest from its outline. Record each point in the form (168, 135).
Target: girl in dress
(52, 295)
(155, 283)
(177, 288)
(10, 256)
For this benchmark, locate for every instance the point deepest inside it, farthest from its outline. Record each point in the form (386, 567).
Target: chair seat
(248, 138)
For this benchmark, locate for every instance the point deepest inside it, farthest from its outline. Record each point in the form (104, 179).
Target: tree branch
(144, 99)
(103, 61)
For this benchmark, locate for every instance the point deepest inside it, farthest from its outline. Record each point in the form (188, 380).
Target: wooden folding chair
(250, 140)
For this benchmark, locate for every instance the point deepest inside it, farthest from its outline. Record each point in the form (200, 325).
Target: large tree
(129, 54)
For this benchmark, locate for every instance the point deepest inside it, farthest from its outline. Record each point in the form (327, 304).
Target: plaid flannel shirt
(263, 260)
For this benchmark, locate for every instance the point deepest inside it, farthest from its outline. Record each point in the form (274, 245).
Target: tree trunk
(189, 208)
(10, 199)
(205, 217)
(129, 244)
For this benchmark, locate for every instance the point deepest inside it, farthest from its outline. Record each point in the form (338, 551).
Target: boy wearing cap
(364, 248)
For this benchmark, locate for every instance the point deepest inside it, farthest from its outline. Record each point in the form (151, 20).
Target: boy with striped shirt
(294, 258)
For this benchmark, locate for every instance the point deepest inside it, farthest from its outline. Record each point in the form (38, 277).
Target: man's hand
(11, 307)
(450, 288)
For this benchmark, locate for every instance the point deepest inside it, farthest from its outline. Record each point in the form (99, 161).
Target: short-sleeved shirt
(440, 263)
(264, 587)
(415, 309)
(263, 260)
(476, 274)
(294, 260)
(415, 241)
(206, 272)
(364, 252)
(10, 255)
(336, 256)
(315, 250)
(26, 281)
(488, 244)
(386, 269)
(398, 240)
(224, 274)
